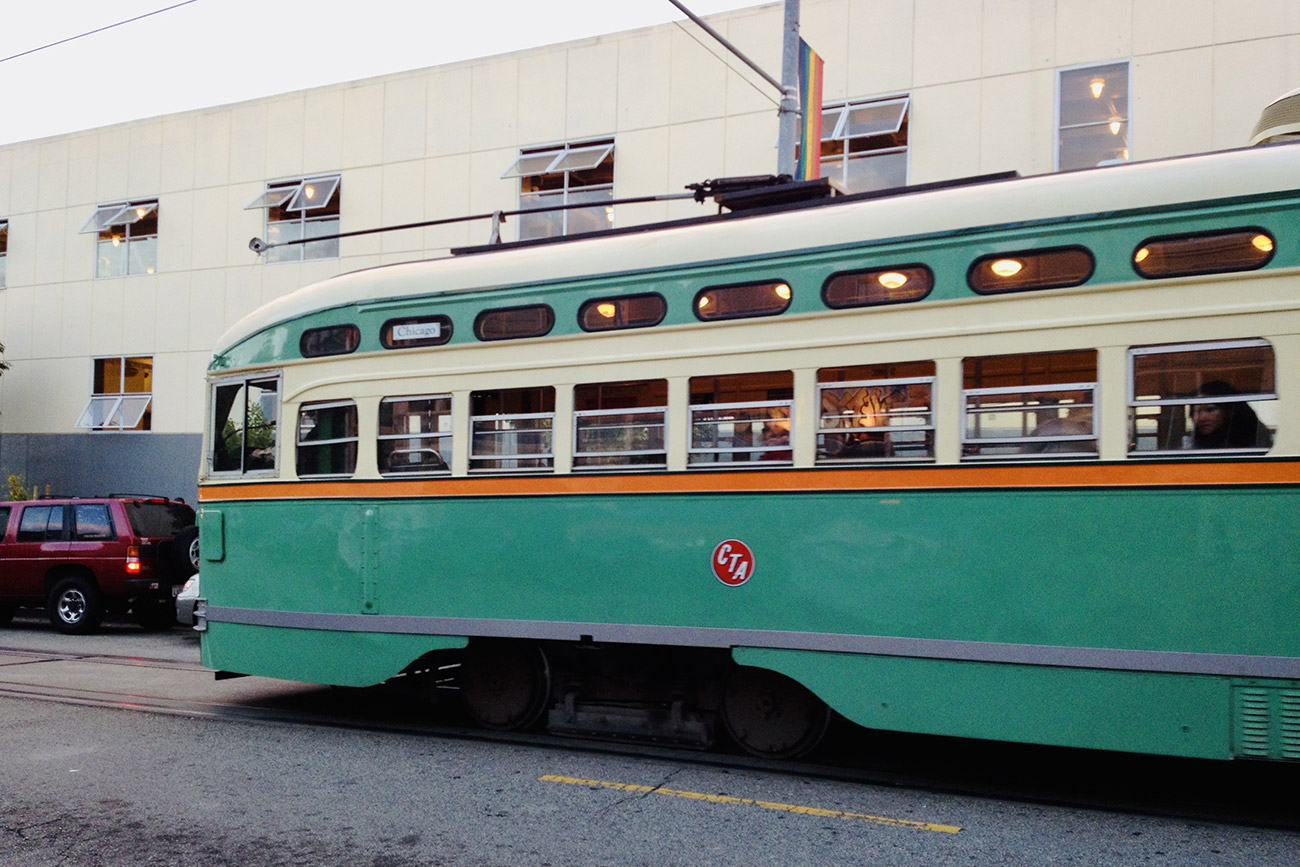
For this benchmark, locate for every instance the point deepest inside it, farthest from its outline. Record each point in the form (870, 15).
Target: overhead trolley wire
(97, 30)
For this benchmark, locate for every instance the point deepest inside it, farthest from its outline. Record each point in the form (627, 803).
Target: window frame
(124, 214)
(561, 153)
(1038, 252)
(1126, 119)
(445, 331)
(838, 134)
(879, 272)
(433, 435)
(614, 299)
(490, 311)
(119, 403)
(290, 195)
(929, 428)
(748, 284)
(349, 328)
(1134, 404)
(1092, 388)
(1212, 233)
(546, 458)
(245, 381)
(4, 254)
(301, 446)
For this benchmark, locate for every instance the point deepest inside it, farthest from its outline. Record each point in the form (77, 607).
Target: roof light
(892, 279)
(1006, 267)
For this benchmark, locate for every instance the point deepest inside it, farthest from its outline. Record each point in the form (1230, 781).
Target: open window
(876, 412)
(327, 439)
(741, 419)
(1202, 397)
(127, 238)
(620, 424)
(298, 209)
(576, 173)
(1037, 405)
(511, 430)
(415, 434)
(121, 395)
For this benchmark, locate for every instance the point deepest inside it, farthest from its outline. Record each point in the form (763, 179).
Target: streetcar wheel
(75, 606)
(154, 615)
(770, 715)
(505, 685)
(7, 614)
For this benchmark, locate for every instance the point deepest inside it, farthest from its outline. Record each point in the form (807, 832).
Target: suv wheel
(75, 606)
(186, 547)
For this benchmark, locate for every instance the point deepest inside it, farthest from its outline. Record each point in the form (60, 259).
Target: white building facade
(124, 251)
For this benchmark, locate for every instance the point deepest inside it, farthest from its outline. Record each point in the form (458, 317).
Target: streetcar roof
(1158, 183)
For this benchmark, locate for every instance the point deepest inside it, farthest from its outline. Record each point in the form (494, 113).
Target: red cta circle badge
(733, 562)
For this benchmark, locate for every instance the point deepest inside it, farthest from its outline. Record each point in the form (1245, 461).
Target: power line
(97, 30)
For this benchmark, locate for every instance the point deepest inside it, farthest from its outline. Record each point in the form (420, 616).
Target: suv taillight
(133, 558)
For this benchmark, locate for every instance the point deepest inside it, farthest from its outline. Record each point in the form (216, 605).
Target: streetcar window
(1022, 271)
(627, 311)
(327, 439)
(876, 412)
(744, 418)
(743, 300)
(415, 331)
(510, 430)
(620, 424)
(415, 434)
(1037, 405)
(330, 340)
(509, 323)
(1203, 253)
(878, 286)
(244, 417)
(1213, 396)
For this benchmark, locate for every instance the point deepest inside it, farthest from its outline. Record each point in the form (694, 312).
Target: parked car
(187, 600)
(81, 558)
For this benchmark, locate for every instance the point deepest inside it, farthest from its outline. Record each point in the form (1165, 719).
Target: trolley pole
(788, 113)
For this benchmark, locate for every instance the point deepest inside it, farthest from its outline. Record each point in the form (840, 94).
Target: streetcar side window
(626, 311)
(878, 286)
(620, 424)
(330, 340)
(1203, 253)
(511, 430)
(742, 301)
(327, 439)
(512, 323)
(875, 412)
(415, 434)
(741, 419)
(245, 413)
(1214, 396)
(1026, 270)
(1040, 405)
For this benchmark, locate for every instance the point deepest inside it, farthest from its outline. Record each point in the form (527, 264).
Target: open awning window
(119, 214)
(305, 195)
(114, 411)
(881, 117)
(564, 159)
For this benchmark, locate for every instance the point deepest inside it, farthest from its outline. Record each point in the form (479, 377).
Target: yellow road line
(749, 802)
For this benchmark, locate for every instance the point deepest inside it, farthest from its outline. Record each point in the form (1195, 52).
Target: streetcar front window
(245, 413)
(1203, 397)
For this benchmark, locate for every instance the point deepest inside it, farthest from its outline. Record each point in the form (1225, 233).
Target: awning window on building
(882, 117)
(565, 159)
(107, 216)
(305, 195)
(113, 411)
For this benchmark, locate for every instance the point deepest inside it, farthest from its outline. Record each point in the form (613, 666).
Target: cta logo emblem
(733, 562)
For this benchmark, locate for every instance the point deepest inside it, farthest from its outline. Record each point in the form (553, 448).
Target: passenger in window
(1077, 421)
(776, 436)
(1229, 425)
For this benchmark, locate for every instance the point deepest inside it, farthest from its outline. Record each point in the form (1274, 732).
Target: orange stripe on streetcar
(778, 481)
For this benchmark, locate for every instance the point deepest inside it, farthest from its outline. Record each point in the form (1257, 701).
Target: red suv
(80, 558)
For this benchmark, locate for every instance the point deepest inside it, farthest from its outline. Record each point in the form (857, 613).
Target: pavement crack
(641, 794)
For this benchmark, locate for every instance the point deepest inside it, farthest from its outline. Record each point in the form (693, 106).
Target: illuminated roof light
(1263, 243)
(704, 301)
(783, 291)
(892, 279)
(606, 309)
(1007, 267)
(1141, 255)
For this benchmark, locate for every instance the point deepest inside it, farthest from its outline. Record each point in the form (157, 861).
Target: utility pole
(788, 113)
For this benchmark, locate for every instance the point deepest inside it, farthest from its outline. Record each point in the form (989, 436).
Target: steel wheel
(505, 685)
(770, 715)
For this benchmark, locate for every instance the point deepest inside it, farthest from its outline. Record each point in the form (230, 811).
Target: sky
(213, 52)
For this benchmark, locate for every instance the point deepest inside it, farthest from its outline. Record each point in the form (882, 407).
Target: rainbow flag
(810, 93)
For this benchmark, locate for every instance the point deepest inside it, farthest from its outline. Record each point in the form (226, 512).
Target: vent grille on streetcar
(1266, 723)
